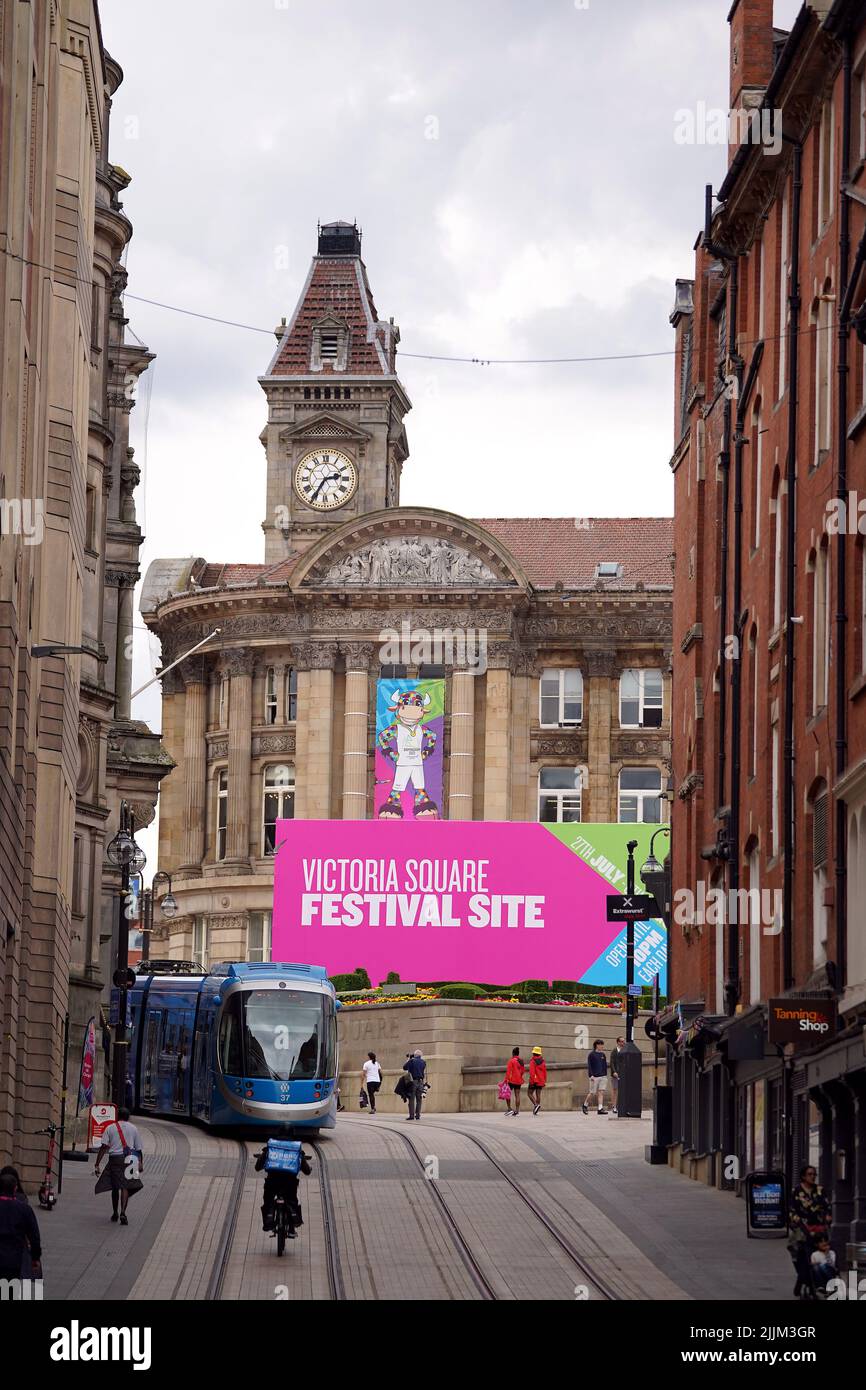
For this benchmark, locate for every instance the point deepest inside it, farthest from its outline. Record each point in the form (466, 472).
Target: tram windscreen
(279, 1035)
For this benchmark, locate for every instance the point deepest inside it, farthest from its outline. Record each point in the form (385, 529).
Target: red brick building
(768, 720)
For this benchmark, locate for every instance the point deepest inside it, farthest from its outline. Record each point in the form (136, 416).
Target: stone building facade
(769, 716)
(69, 545)
(275, 716)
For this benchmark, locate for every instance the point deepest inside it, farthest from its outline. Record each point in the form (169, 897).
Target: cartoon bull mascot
(407, 743)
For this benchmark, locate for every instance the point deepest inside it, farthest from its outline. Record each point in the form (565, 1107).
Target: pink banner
(482, 901)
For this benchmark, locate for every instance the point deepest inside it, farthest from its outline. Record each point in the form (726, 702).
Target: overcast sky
(512, 164)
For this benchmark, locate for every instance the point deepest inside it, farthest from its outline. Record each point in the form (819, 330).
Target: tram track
(577, 1258)
(473, 1268)
(227, 1234)
(336, 1282)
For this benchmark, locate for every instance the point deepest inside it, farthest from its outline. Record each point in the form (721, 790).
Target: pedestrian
(809, 1215)
(614, 1073)
(19, 1231)
(416, 1068)
(537, 1078)
(823, 1264)
(596, 1066)
(372, 1074)
(514, 1074)
(122, 1143)
(21, 1196)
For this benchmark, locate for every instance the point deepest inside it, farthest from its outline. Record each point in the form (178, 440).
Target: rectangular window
(224, 702)
(270, 696)
(863, 608)
(559, 791)
(259, 936)
(278, 802)
(91, 519)
(774, 807)
(757, 470)
(823, 321)
(199, 940)
(560, 698)
(640, 699)
(859, 143)
(640, 799)
(222, 813)
(825, 165)
(291, 695)
(820, 630)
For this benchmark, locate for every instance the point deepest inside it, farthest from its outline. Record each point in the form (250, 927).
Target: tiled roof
(566, 550)
(336, 285)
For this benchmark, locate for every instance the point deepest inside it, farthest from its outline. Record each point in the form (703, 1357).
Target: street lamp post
(630, 1064)
(124, 854)
(167, 906)
(656, 881)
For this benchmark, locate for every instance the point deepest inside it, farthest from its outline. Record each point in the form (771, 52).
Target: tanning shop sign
(801, 1020)
(485, 901)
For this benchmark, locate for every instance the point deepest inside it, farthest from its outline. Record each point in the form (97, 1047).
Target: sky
(514, 170)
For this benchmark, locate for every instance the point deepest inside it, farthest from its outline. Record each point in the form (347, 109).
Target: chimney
(751, 24)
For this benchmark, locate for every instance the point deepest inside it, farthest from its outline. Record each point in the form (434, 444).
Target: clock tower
(335, 438)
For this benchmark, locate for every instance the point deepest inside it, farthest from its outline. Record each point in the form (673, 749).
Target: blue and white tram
(241, 1045)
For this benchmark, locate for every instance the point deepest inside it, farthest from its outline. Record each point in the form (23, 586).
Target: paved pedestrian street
(457, 1207)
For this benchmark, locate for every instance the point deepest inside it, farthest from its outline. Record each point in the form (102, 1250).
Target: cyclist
(281, 1184)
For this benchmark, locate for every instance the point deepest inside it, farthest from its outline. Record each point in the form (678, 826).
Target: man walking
(596, 1065)
(122, 1143)
(417, 1071)
(614, 1073)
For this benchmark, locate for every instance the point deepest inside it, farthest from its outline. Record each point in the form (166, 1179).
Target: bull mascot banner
(410, 718)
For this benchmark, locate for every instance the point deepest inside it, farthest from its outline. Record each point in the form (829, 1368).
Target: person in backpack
(281, 1184)
(596, 1066)
(537, 1079)
(121, 1142)
(514, 1074)
(372, 1075)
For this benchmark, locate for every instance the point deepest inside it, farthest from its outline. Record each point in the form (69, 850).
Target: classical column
(195, 676)
(524, 788)
(355, 751)
(497, 732)
(600, 667)
(315, 729)
(461, 762)
(239, 664)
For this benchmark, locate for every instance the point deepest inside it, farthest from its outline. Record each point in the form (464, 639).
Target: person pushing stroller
(282, 1162)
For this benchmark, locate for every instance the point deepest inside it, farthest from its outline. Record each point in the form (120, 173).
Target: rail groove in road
(220, 1265)
(476, 1273)
(604, 1287)
(336, 1283)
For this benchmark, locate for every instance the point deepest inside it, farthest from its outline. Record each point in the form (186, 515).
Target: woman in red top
(514, 1074)
(537, 1078)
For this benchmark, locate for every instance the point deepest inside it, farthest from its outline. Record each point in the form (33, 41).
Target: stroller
(812, 1277)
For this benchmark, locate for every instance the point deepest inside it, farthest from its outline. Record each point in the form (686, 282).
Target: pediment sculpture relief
(408, 560)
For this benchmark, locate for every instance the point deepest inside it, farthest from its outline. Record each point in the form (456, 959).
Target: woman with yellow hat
(537, 1078)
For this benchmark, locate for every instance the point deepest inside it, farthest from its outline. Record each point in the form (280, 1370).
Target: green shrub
(361, 975)
(459, 990)
(392, 978)
(531, 985)
(561, 987)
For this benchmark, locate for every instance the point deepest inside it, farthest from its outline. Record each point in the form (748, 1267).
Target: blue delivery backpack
(284, 1156)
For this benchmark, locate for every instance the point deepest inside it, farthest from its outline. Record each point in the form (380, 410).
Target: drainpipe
(732, 983)
(790, 563)
(841, 867)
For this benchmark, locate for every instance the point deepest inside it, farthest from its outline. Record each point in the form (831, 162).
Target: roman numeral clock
(326, 479)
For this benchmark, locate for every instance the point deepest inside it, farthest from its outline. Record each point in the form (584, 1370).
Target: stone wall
(467, 1044)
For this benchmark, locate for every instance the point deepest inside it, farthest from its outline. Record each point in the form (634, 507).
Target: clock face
(326, 479)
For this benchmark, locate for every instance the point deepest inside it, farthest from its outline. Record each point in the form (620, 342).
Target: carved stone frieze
(219, 748)
(357, 655)
(601, 662)
(272, 743)
(563, 744)
(415, 561)
(373, 619)
(603, 625)
(238, 662)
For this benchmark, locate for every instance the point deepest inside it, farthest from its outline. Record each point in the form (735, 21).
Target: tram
(240, 1045)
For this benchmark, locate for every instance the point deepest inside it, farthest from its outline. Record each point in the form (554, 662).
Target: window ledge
(857, 687)
(816, 719)
(856, 424)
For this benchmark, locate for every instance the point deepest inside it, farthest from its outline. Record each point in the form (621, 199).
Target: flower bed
(613, 1003)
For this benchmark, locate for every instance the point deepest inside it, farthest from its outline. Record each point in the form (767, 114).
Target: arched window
(640, 796)
(559, 793)
(278, 802)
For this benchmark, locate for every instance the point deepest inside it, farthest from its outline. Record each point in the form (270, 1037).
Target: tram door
(149, 1060)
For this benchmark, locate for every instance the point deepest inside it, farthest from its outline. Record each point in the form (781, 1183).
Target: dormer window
(608, 569)
(330, 346)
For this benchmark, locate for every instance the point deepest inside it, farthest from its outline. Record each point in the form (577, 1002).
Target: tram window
(230, 1050)
(285, 1036)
